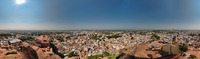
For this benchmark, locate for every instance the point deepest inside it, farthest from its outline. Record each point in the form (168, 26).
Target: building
(43, 43)
(4, 44)
(15, 43)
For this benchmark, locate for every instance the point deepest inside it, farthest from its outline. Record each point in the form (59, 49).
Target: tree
(142, 33)
(183, 48)
(94, 36)
(72, 54)
(132, 38)
(68, 37)
(192, 34)
(105, 54)
(11, 53)
(27, 38)
(116, 56)
(94, 57)
(5, 35)
(107, 33)
(199, 34)
(193, 56)
(130, 34)
(155, 37)
(113, 36)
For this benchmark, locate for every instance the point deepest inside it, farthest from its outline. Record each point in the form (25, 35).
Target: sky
(99, 14)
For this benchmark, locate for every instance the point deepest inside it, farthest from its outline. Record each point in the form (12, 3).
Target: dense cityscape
(99, 29)
(100, 44)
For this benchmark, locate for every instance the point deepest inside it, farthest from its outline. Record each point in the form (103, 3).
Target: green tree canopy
(94, 57)
(193, 56)
(105, 54)
(72, 54)
(113, 36)
(11, 53)
(183, 48)
(27, 38)
(155, 37)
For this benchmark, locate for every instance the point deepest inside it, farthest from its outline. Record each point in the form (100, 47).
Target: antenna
(170, 52)
(170, 43)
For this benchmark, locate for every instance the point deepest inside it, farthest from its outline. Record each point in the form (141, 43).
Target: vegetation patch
(5, 35)
(155, 37)
(116, 56)
(113, 36)
(8, 53)
(72, 55)
(95, 57)
(193, 56)
(27, 38)
(183, 48)
(105, 54)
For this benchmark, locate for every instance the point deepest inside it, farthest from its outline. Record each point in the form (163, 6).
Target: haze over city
(99, 14)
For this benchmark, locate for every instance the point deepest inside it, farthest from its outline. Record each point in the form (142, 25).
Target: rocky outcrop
(33, 53)
(42, 55)
(29, 53)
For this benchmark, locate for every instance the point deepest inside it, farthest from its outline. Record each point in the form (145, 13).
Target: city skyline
(99, 15)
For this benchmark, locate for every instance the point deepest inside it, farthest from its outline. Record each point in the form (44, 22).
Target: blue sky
(99, 14)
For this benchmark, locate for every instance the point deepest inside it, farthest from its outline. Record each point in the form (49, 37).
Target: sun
(20, 1)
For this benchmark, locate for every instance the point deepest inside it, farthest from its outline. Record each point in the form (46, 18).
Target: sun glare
(20, 1)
